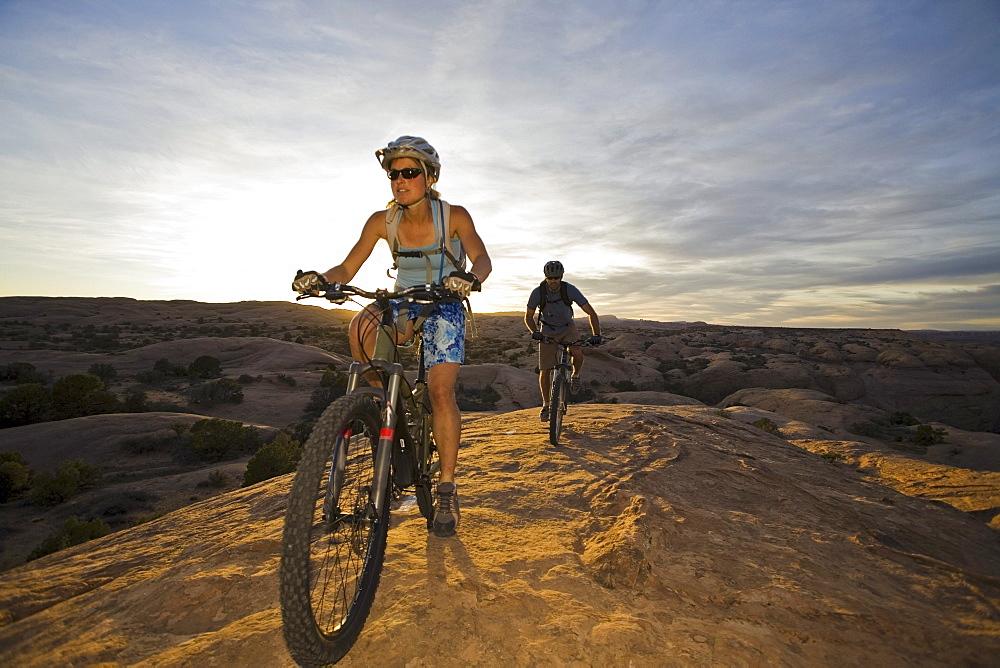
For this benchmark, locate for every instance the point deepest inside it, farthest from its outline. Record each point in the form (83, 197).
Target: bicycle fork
(378, 497)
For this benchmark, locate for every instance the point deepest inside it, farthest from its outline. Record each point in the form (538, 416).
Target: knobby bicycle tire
(333, 543)
(557, 403)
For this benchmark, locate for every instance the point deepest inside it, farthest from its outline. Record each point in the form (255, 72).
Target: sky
(772, 163)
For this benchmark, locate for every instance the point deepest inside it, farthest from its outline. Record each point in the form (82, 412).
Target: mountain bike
(559, 394)
(366, 449)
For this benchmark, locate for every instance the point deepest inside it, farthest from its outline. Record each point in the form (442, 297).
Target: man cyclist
(554, 299)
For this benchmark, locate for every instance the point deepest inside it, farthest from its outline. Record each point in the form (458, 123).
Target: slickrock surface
(653, 536)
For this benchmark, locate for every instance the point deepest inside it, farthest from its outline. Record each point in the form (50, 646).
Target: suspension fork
(387, 436)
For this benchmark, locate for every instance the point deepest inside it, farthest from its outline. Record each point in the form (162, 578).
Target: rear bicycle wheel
(333, 543)
(557, 407)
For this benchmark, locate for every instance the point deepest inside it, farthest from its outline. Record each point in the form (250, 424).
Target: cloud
(745, 160)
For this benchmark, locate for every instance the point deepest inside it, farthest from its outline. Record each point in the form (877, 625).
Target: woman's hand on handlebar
(309, 283)
(463, 283)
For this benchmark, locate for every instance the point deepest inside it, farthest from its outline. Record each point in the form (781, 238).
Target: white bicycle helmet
(416, 148)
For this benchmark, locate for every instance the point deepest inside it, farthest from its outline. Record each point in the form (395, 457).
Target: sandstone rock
(900, 359)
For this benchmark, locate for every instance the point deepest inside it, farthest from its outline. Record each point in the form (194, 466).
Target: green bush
(205, 367)
(222, 391)
(928, 435)
(15, 475)
(903, 418)
(215, 440)
(873, 429)
(134, 401)
(217, 479)
(125, 502)
(29, 403)
(278, 457)
(334, 377)
(162, 369)
(484, 399)
(70, 478)
(143, 444)
(767, 425)
(103, 370)
(82, 394)
(20, 373)
(73, 532)
(623, 385)
(319, 399)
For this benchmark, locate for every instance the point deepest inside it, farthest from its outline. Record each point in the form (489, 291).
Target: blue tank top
(413, 270)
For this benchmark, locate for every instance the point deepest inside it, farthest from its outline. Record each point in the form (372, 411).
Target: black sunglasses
(406, 173)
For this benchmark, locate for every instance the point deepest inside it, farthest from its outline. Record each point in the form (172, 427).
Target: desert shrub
(300, 430)
(20, 373)
(215, 440)
(134, 401)
(162, 369)
(81, 394)
(278, 457)
(72, 532)
(623, 385)
(142, 444)
(125, 502)
(320, 398)
(205, 366)
(879, 430)
(286, 379)
(831, 456)
(70, 478)
(103, 370)
(334, 377)
(764, 424)
(29, 403)
(15, 475)
(217, 479)
(246, 379)
(484, 399)
(928, 435)
(224, 390)
(903, 418)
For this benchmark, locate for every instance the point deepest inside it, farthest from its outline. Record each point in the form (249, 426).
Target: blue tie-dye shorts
(444, 331)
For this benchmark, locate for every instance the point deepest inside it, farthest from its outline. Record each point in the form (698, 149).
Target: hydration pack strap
(441, 214)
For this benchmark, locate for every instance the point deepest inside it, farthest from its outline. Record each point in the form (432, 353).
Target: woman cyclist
(413, 225)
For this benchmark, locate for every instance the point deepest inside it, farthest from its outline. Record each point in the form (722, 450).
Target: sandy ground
(654, 536)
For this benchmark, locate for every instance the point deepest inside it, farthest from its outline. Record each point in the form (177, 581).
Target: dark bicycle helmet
(411, 147)
(553, 269)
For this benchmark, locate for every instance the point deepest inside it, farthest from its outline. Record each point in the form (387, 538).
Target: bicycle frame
(400, 399)
(383, 361)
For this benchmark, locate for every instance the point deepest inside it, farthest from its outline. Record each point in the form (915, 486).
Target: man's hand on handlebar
(537, 336)
(462, 282)
(596, 340)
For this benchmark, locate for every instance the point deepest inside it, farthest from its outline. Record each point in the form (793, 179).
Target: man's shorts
(548, 353)
(444, 331)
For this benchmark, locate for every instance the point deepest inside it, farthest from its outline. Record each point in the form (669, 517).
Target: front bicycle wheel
(557, 407)
(333, 543)
(428, 468)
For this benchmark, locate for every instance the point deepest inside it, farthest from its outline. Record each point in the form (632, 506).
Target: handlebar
(583, 343)
(339, 293)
